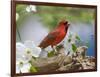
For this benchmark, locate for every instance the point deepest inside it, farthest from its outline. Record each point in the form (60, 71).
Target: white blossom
(73, 38)
(24, 53)
(31, 8)
(22, 66)
(17, 16)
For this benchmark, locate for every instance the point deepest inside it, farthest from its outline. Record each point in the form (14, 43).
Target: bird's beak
(68, 25)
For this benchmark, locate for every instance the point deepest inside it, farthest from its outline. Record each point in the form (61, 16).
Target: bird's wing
(49, 39)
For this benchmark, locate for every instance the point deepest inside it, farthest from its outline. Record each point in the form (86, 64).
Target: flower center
(28, 51)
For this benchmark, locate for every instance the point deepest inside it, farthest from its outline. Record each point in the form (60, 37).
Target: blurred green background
(51, 15)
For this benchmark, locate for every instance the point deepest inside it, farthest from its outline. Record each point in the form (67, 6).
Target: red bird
(55, 36)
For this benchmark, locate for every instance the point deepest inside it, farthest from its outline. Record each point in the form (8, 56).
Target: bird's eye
(65, 23)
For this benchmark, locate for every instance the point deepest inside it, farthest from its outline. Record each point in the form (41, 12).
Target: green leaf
(74, 47)
(50, 54)
(32, 69)
(59, 47)
(78, 38)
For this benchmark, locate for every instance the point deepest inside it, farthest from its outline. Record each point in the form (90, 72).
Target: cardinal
(56, 36)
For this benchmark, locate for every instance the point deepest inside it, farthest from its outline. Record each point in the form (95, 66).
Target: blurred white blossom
(31, 8)
(73, 38)
(24, 53)
(17, 16)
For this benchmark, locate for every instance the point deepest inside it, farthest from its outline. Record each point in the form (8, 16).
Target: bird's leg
(43, 54)
(54, 49)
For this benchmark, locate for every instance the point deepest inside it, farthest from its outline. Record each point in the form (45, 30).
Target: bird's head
(65, 24)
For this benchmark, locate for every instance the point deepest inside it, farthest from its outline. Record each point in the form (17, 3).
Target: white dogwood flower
(24, 53)
(22, 66)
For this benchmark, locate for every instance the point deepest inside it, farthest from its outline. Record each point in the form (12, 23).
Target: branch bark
(62, 62)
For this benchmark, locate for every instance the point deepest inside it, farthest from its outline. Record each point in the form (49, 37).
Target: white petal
(26, 68)
(17, 69)
(28, 54)
(28, 9)
(73, 42)
(20, 48)
(73, 38)
(36, 51)
(29, 44)
(19, 65)
(22, 58)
